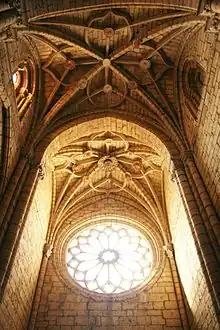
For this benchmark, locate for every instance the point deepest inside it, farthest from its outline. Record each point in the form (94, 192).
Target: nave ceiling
(115, 61)
(106, 124)
(120, 61)
(108, 163)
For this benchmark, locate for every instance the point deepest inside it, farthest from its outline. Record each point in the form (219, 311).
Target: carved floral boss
(107, 158)
(121, 71)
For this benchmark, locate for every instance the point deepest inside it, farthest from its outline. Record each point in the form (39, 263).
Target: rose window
(109, 258)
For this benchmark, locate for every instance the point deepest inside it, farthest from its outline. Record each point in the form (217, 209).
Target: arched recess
(75, 196)
(152, 194)
(104, 129)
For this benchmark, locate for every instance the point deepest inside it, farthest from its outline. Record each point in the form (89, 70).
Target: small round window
(109, 258)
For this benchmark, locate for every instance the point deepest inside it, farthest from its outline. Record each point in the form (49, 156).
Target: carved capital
(47, 250)
(9, 35)
(210, 5)
(175, 165)
(187, 155)
(169, 250)
(41, 171)
(172, 171)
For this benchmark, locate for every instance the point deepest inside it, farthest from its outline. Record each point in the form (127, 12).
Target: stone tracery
(107, 162)
(94, 70)
(104, 155)
(98, 259)
(139, 63)
(115, 63)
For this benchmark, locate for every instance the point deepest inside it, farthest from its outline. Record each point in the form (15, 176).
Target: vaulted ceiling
(100, 62)
(107, 158)
(113, 60)
(118, 61)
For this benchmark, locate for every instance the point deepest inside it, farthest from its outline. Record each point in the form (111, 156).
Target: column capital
(41, 171)
(8, 35)
(187, 155)
(169, 250)
(35, 164)
(176, 164)
(47, 250)
(179, 162)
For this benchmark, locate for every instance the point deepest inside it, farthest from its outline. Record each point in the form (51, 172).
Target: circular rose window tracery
(109, 258)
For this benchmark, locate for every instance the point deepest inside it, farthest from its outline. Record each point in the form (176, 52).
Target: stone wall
(202, 313)
(7, 95)
(159, 307)
(13, 130)
(204, 134)
(207, 145)
(63, 308)
(16, 303)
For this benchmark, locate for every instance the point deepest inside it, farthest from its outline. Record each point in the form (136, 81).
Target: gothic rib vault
(107, 123)
(113, 60)
(109, 163)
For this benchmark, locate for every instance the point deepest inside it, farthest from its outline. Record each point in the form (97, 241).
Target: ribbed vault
(106, 59)
(98, 126)
(105, 158)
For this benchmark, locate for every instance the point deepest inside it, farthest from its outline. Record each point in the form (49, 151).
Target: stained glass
(109, 258)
